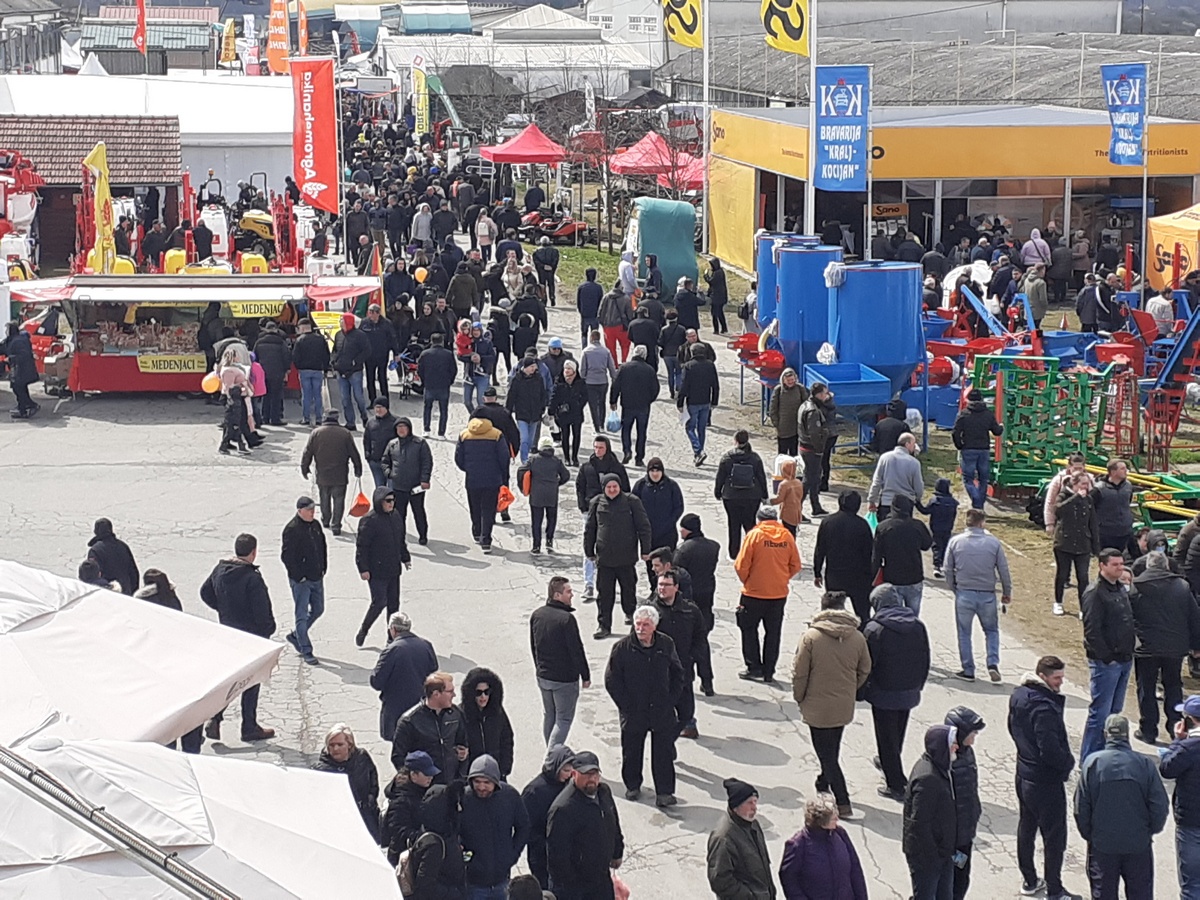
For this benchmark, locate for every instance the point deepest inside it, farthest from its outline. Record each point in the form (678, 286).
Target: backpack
(741, 476)
(405, 874)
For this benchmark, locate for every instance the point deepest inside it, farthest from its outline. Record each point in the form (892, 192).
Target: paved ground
(150, 464)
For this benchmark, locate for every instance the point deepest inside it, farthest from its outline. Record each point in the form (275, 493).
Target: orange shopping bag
(505, 500)
(361, 505)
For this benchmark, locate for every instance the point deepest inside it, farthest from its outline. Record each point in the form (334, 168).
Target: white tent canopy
(78, 661)
(260, 830)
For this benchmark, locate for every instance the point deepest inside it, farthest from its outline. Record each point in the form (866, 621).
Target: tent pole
(810, 190)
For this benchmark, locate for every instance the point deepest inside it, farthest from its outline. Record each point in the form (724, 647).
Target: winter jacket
(740, 475)
(898, 473)
(583, 837)
(408, 462)
(695, 350)
(1035, 290)
(21, 361)
(272, 353)
(832, 662)
(1181, 762)
(615, 529)
(942, 508)
(1035, 250)
(789, 496)
(555, 644)
(311, 352)
(645, 683)
(663, 502)
(303, 550)
(671, 339)
(615, 310)
(587, 482)
(1075, 528)
(815, 425)
(643, 332)
(546, 475)
(899, 647)
(463, 294)
(364, 783)
(699, 555)
(821, 864)
(437, 857)
(687, 304)
(494, 831)
(488, 730)
(380, 547)
(236, 590)
(900, 541)
(596, 365)
(767, 561)
(115, 560)
(699, 384)
(1091, 308)
(636, 386)
(437, 368)
(554, 364)
(1108, 631)
(527, 396)
(1120, 801)
(718, 293)
(1058, 485)
(377, 432)
(739, 863)
(399, 676)
(930, 816)
(974, 560)
(402, 819)
(842, 555)
(331, 448)
(683, 623)
(887, 434)
(437, 732)
(1166, 617)
(784, 410)
(150, 594)
(382, 337)
(483, 453)
(503, 421)
(974, 427)
(1035, 722)
(538, 796)
(587, 300)
(1114, 517)
(569, 402)
(351, 350)
(964, 774)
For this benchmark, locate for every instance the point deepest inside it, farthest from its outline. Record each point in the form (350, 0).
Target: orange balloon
(211, 383)
(421, 274)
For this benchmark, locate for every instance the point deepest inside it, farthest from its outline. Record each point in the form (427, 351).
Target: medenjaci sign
(314, 132)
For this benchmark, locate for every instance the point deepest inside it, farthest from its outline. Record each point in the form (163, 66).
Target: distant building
(31, 35)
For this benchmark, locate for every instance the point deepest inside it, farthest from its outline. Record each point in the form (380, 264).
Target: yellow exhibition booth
(1025, 165)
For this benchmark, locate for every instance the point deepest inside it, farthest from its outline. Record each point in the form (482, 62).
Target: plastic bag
(506, 498)
(620, 889)
(872, 520)
(684, 416)
(612, 423)
(362, 504)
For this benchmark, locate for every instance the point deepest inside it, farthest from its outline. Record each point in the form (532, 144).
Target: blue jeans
(351, 388)
(377, 472)
(312, 409)
(968, 605)
(1187, 851)
(697, 425)
(1108, 684)
(473, 389)
(528, 436)
(309, 597)
(589, 565)
(935, 881)
(674, 374)
(976, 464)
(910, 595)
(495, 892)
(558, 709)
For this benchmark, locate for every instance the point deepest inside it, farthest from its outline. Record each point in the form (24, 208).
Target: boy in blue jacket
(942, 510)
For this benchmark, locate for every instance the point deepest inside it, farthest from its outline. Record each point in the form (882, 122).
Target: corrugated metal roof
(427, 18)
(28, 7)
(951, 116)
(208, 14)
(115, 34)
(473, 49)
(141, 149)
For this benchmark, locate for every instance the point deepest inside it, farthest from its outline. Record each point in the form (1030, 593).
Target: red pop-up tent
(689, 176)
(530, 146)
(649, 156)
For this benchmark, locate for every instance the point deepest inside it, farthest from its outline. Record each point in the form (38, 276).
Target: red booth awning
(530, 146)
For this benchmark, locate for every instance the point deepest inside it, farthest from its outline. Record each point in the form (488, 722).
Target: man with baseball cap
(1181, 761)
(583, 835)
(305, 557)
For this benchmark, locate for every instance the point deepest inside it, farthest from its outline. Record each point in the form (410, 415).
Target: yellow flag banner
(681, 19)
(420, 103)
(104, 253)
(786, 25)
(229, 43)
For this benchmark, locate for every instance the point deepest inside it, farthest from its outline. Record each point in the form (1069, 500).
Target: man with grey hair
(898, 473)
(635, 388)
(1166, 620)
(645, 679)
(400, 672)
(975, 560)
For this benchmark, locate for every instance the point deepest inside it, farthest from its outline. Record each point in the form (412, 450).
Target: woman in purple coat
(819, 862)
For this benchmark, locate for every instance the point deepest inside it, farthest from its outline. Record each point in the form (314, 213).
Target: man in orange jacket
(768, 561)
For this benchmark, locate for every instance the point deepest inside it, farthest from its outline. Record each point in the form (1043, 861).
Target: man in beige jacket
(832, 663)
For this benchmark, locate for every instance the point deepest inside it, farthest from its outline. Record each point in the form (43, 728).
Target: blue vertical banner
(843, 124)
(1125, 93)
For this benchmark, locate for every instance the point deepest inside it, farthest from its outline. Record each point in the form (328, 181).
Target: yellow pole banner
(229, 43)
(786, 25)
(104, 253)
(681, 19)
(420, 99)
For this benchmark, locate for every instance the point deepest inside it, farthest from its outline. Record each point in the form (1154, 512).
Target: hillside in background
(1162, 16)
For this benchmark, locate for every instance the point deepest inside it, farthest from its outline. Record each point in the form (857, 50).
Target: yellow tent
(1169, 236)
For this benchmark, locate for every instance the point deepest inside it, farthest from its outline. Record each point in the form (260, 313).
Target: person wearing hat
(310, 356)
(351, 349)
(306, 560)
(400, 672)
(1120, 804)
(931, 817)
(767, 562)
(538, 796)
(662, 498)
(616, 525)
(555, 358)
(493, 410)
(635, 388)
(527, 400)
(378, 430)
(584, 842)
(402, 819)
(494, 828)
(1181, 763)
(964, 774)
(973, 434)
(739, 864)
(546, 473)
(381, 335)
(698, 556)
(331, 449)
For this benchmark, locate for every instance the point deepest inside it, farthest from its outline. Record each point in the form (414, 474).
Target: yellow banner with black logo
(256, 309)
(681, 19)
(168, 364)
(786, 25)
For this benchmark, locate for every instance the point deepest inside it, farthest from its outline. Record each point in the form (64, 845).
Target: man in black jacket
(114, 557)
(275, 358)
(643, 331)
(545, 262)
(842, 556)
(378, 431)
(539, 795)
(236, 590)
(699, 391)
(900, 542)
(816, 433)
(436, 726)
(350, 351)
(964, 774)
(583, 835)
(400, 672)
(437, 368)
(930, 827)
(382, 336)
(1109, 638)
(587, 301)
(645, 679)
(408, 468)
(494, 828)
(306, 560)
(682, 621)
(1112, 497)
(588, 486)
(310, 355)
(559, 661)
(973, 432)
(1044, 760)
(699, 555)
(380, 551)
(635, 388)
(741, 485)
(1167, 621)
(616, 524)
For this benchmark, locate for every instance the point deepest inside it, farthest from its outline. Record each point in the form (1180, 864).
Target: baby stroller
(406, 369)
